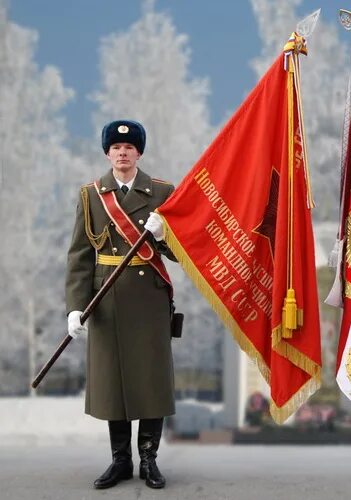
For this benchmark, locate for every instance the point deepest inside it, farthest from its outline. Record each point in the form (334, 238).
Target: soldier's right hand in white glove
(74, 326)
(154, 224)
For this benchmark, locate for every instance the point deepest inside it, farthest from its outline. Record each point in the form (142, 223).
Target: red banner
(240, 225)
(343, 359)
(340, 294)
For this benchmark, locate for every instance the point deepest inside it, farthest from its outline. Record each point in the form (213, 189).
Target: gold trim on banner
(348, 289)
(348, 240)
(280, 414)
(348, 364)
(294, 355)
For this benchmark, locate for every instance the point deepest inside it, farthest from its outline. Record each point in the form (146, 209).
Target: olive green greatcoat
(129, 359)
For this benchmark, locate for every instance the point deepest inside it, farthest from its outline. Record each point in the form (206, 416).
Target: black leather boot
(122, 465)
(149, 436)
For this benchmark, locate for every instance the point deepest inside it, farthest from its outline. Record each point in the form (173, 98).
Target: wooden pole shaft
(91, 306)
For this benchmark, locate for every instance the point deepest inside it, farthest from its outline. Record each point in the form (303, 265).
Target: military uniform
(129, 359)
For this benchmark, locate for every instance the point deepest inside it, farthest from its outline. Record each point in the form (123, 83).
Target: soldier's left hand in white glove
(154, 224)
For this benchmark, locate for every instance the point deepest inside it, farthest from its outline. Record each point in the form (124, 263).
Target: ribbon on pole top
(295, 45)
(240, 225)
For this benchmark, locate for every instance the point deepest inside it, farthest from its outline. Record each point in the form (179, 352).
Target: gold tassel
(289, 314)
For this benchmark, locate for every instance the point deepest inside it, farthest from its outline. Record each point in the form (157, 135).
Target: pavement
(49, 450)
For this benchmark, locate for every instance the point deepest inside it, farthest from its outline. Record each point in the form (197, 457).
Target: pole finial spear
(345, 18)
(306, 26)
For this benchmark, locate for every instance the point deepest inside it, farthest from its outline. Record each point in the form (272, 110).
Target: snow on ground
(41, 420)
(44, 418)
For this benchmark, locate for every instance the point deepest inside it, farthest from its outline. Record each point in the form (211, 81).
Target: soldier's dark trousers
(122, 465)
(149, 436)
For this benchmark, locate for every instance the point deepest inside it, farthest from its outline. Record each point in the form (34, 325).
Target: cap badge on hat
(123, 129)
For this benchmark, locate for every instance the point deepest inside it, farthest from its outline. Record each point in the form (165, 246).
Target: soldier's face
(123, 157)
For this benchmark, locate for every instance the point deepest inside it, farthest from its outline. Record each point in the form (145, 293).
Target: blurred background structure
(181, 70)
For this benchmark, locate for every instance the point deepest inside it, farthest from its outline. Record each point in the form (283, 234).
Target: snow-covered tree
(33, 200)
(325, 74)
(145, 77)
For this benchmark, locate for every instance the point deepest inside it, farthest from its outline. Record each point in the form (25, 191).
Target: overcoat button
(147, 190)
(114, 249)
(141, 273)
(141, 221)
(103, 188)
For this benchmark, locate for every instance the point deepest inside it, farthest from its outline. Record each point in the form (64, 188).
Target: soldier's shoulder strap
(160, 181)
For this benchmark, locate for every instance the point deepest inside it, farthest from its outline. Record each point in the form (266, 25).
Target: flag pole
(291, 317)
(295, 45)
(91, 306)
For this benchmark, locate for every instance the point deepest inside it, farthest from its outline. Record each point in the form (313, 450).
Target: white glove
(74, 326)
(154, 224)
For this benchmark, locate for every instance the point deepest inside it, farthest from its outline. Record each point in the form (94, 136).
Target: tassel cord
(297, 81)
(291, 176)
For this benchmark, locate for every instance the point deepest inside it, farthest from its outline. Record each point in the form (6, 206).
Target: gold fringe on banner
(279, 414)
(217, 305)
(294, 355)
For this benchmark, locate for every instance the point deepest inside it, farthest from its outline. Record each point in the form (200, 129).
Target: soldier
(129, 359)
